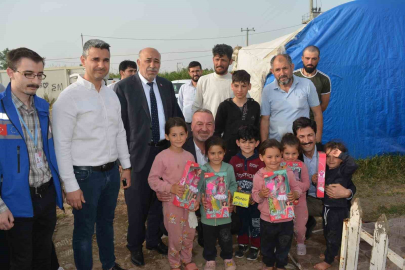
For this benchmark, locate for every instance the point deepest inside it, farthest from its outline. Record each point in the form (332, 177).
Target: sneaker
(210, 265)
(241, 251)
(230, 264)
(301, 249)
(117, 267)
(253, 254)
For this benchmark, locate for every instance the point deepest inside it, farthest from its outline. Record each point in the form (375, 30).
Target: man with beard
(147, 102)
(89, 138)
(305, 129)
(30, 189)
(287, 98)
(202, 127)
(187, 92)
(214, 88)
(310, 59)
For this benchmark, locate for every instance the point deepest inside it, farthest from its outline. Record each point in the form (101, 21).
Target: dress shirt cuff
(125, 164)
(3, 206)
(351, 195)
(71, 185)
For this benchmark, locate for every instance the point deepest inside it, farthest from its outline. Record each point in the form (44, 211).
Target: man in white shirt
(214, 88)
(126, 68)
(187, 92)
(89, 138)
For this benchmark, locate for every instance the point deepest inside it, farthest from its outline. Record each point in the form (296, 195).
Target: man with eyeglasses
(31, 188)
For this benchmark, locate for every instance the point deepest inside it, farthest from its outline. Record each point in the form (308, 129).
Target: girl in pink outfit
(276, 236)
(291, 150)
(169, 165)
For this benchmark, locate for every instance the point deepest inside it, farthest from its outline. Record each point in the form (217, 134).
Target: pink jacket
(258, 183)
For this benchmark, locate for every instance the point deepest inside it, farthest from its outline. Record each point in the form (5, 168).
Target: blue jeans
(100, 191)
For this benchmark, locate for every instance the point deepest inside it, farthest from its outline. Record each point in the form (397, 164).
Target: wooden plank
(354, 235)
(366, 237)
(343, 246)
(380, 244)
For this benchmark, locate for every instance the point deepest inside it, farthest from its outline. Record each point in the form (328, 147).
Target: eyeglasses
(32, 75)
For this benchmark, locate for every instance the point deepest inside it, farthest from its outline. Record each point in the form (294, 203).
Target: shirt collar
(18, 103)
(88, 85)
(145, 81)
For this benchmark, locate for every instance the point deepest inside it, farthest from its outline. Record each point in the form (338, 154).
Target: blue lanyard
(28, 130)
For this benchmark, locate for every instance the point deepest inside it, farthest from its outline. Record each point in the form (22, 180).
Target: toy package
(189, 179)
(320, 187)
(216, 195)
(277, 183)
(295, 166)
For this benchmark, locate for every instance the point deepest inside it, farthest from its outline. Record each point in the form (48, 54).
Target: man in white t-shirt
(214, 88)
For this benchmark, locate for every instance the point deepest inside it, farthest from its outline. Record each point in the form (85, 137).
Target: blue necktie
(154, 115)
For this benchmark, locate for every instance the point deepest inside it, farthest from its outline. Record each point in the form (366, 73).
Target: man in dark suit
(147, 102)
(305, 130)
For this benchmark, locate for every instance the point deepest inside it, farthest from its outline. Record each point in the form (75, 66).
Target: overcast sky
(53, 29)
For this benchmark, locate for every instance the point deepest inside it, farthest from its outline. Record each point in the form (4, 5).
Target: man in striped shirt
(310, 58)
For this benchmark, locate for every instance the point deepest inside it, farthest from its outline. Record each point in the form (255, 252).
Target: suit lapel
(162, 96)
(139, 85)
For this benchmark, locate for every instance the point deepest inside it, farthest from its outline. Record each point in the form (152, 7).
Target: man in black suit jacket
(147, 102)
(305, 130)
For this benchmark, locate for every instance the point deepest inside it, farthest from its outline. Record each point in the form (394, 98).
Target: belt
(41, 190)
(101, 168)
(158, 144)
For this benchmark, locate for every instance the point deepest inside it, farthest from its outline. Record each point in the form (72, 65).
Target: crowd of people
(135, 133)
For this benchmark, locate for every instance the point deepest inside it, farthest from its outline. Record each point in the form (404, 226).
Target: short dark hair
(290, 140)
(15, 56)
(127, 64)
(94, 43)
(286, 57)
(174, 122)
(248, 132)
(241, 76)
(194, 64)
(212, 141)
(269, 143)
(303, 122)
(312, 48)
(335, 145)
(222, 49)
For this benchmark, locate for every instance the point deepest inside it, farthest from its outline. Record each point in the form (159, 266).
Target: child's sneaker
(241, 251)
(230, 265)
(301, 249)
(210, 265)
(253, 254)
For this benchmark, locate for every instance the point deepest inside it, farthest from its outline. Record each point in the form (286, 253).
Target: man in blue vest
(30, 189)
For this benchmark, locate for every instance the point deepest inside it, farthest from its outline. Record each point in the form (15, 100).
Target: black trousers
(222, 233)
(275, 242)
(30, 240)
(142, 206)
(332, 230)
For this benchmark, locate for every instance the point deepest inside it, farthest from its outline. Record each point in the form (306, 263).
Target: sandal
(190, 266)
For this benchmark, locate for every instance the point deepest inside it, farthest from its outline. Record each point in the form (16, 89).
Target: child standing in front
(236, 112)
(245, 164)
(276, 236)
(217, 228)
(339, 170)
(291, 151)
(169, 166)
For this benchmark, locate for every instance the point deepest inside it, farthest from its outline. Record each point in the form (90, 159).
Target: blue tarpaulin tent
(362, 46)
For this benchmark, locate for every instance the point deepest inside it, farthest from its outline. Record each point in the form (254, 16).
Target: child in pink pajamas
(291, 149)
(164, 176)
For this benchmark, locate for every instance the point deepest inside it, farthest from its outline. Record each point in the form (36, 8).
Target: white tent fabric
(255, 59)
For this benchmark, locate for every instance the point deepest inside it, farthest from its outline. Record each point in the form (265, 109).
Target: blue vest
(14, 160)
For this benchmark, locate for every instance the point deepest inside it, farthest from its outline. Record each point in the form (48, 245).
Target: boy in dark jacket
(245, 164)
(236, 112)
(340, 168)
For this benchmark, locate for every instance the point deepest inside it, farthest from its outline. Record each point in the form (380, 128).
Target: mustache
(33, 85)
(152, 69)
(307, 143)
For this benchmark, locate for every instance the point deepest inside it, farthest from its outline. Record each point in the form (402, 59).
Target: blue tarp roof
(362, 46)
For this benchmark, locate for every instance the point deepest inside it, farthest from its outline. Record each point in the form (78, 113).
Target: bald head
(149, 63)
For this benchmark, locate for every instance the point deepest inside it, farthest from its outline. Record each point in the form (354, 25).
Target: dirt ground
(153, 260)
